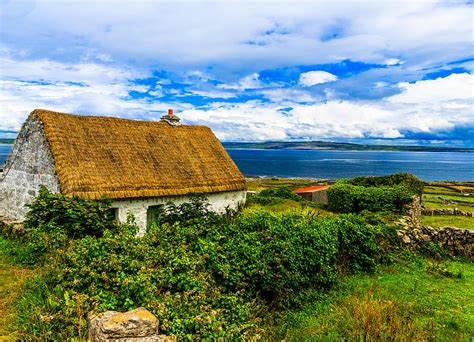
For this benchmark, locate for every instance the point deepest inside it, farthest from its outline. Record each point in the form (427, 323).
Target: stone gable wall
(29, 165)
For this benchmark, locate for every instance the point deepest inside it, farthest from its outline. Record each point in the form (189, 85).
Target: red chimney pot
(170, 112)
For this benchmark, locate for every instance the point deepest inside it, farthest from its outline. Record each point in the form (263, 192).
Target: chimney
(170, 118)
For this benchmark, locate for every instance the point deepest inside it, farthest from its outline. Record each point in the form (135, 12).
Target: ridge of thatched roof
(103, 156)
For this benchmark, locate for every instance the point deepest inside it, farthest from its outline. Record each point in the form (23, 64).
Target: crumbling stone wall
(29, 165)
(413, 211)
(456, 241)
(447, 211)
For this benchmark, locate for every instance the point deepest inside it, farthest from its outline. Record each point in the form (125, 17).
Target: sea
(334, 164)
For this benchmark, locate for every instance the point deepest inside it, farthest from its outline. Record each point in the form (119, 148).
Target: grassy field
(439, 198)
(415, 299)
(11, 279)
(435, 196)
(448, 221)
(258, 184)
(439, 205)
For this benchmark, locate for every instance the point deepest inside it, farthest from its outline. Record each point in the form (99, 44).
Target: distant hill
(322, 145)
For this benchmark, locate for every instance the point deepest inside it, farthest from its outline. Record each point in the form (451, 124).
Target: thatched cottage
(140, 165)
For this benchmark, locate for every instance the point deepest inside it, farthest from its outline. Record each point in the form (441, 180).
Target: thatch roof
(96, 156)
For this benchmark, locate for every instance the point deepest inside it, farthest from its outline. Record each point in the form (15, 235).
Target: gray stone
(136, 325)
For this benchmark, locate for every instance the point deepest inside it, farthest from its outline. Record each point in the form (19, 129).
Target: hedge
(376, 194)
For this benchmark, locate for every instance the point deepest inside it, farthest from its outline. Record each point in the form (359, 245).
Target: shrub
(274, 196)
(202, 277)
(54, 220)
(276, 254)
(197, 210)
(410, 181)
(387, 193)
(73, 216)
(358, 245)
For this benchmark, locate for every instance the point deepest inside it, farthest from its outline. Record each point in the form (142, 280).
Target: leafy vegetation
(413, 299)
(277, 270)
(376, 194)
(274, 196)
(203, 276)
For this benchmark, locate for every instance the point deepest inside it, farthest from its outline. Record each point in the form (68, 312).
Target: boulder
(136, 325)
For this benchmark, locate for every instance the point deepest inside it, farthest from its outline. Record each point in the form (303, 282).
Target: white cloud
(441, 90)
(311, 78)
(392, 61)
(248, 82)
(246, 35)
(419, 108)
(84, 88)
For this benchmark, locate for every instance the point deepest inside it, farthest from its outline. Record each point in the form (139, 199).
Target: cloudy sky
(376, 71)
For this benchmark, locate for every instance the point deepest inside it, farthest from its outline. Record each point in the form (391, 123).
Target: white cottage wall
(138, 207)
(29, 165)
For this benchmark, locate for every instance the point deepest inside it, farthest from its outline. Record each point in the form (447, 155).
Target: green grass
(410, 300)
(459, 199)
(11, 279)
(441, 190)
(259, 184)
(437, 205)
(288, 204)
(448, 220)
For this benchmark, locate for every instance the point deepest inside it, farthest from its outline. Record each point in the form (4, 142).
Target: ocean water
(331, 164)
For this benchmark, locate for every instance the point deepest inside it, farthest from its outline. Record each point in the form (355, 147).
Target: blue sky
(392, 72)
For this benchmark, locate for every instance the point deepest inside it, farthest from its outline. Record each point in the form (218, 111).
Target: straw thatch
(102, 156)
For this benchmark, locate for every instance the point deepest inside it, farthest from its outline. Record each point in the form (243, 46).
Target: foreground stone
(136, 325)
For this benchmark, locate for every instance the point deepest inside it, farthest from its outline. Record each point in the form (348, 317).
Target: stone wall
(29, 165)
(413, 211)
(218, 201)
(447, 211)
(456, 241)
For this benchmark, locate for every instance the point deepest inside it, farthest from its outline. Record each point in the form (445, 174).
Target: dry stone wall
(456, 241)
(447, 211)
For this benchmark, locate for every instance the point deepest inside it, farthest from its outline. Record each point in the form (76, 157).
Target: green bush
(202, 277)
(358, 243)
(376, 194)
(410, 181)
(274, 196)
(54, 220)
(73, 216)
(196, 210)
(276, 254)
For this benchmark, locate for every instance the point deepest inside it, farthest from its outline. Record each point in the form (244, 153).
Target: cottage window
(113, 213)
(153, 214)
